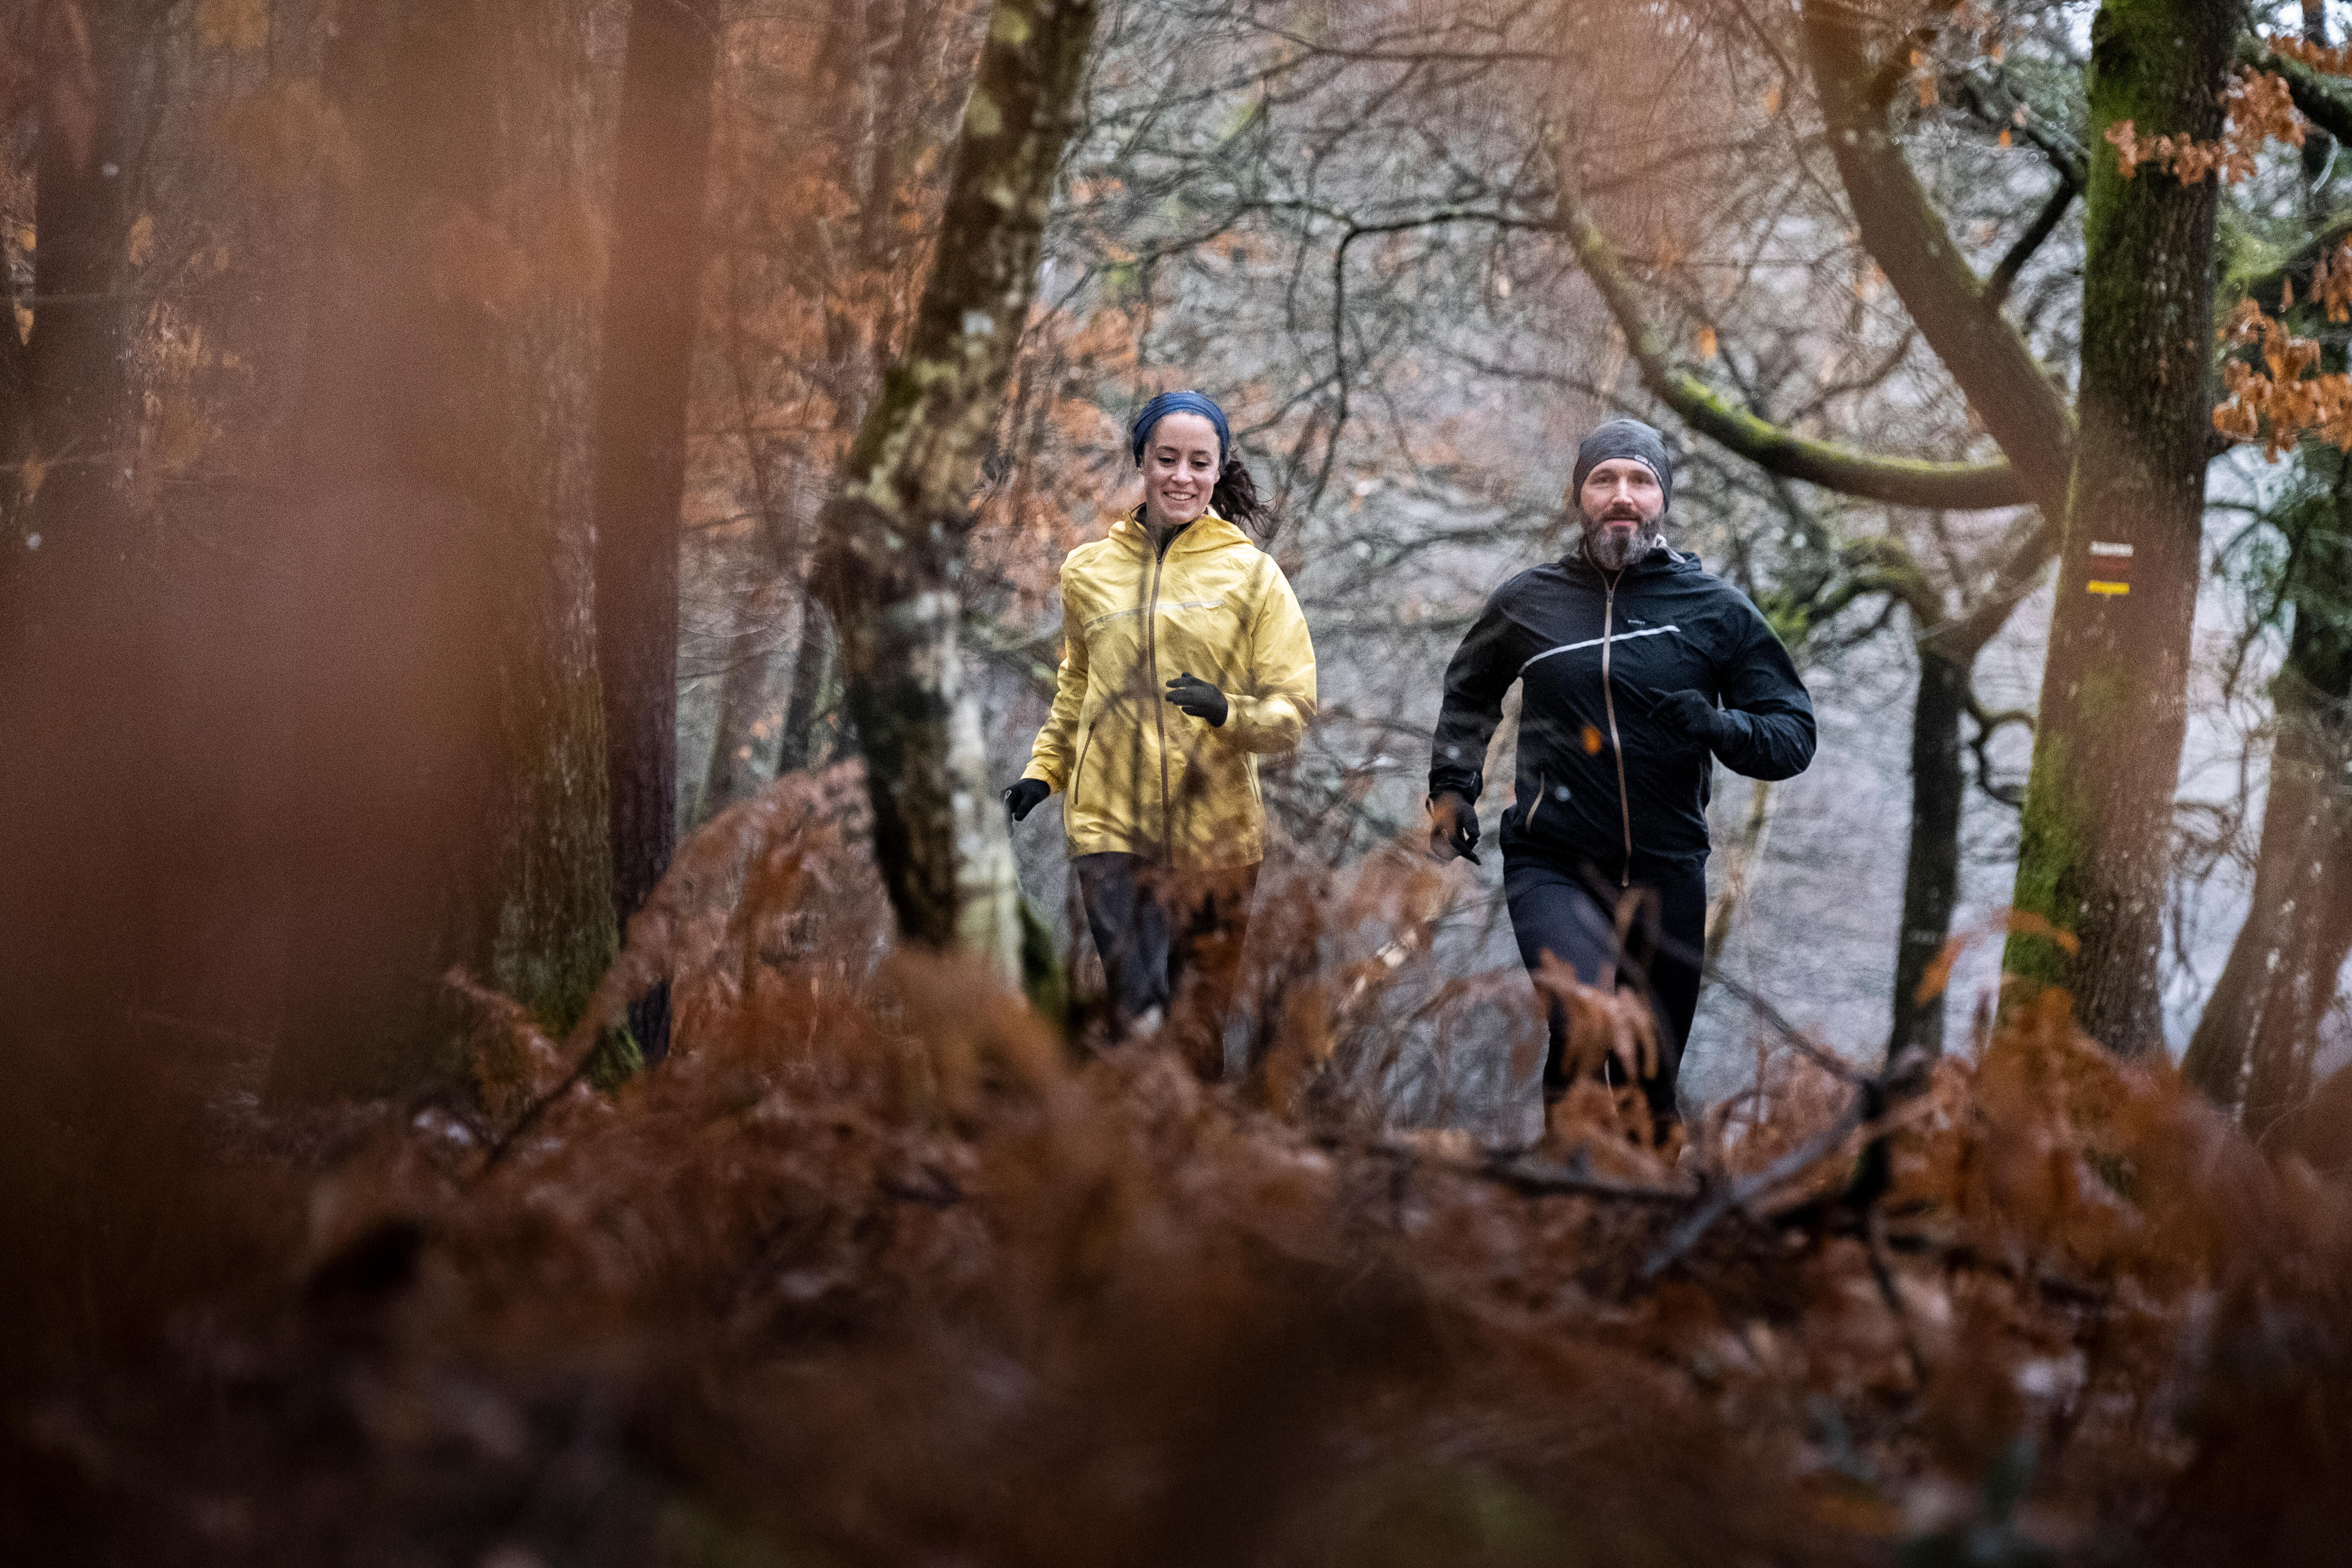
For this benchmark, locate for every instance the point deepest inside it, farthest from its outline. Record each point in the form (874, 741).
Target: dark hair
(1236, 498)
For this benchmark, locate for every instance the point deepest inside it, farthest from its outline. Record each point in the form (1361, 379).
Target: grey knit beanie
(1624, 439)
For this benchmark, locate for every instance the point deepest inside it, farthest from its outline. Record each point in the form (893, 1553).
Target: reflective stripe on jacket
(1142, 776)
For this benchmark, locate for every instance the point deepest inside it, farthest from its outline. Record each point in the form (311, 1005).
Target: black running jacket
(1600, 781)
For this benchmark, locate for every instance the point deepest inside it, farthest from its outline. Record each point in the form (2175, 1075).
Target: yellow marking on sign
(2108, 588)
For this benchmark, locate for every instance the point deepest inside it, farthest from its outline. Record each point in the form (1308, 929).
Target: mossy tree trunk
(892, 538)
(450, 804)
(2254, 1041)
(2096, 837)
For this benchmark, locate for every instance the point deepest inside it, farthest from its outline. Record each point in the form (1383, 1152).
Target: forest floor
(873, 1271)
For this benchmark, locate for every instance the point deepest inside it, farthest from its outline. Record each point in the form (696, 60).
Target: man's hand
(1022, 798)
(1453, 828)
(1197, 698)
(1692, 716)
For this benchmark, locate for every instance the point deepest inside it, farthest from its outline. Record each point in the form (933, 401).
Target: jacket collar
(1206, 532)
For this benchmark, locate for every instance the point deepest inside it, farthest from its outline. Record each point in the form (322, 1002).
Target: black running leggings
(1558, 909)
(1155, 929)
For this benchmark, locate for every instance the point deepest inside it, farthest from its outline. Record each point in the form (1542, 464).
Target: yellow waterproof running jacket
(1142, 776)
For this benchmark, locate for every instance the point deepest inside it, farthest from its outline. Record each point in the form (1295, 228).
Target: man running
(1626, 648)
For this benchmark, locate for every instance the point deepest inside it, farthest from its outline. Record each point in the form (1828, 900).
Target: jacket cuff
(1468, 788)
(1734, 737)
(1261, 723)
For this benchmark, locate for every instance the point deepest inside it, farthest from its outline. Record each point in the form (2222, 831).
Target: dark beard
(1615, 553)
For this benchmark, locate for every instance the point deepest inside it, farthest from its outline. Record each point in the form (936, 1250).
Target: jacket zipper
(1079, 772)
(1608, 704)
(1151, 693)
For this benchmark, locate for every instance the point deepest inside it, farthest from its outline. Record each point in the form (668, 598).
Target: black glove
(1692, 716)
(1022, 797)
(1454, 828)
(1197, 698)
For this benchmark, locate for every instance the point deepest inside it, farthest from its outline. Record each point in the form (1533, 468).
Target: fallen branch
(1535, 1178)
(1538, 1178)
(1742, 1192)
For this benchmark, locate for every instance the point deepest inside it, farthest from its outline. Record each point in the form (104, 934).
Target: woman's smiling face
(1181, 460)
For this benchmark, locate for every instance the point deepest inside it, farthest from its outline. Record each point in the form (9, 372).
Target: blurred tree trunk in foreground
(449, 800)
(891, 539)
(84, 785)
(76, 587)
(2254, 1045)
(2097, 836)
(662, 159)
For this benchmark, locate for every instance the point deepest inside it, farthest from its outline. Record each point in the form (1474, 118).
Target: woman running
(1185, 659)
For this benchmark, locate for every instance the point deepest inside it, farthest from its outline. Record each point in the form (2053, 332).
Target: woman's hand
(1022, 798)
(1197, 698)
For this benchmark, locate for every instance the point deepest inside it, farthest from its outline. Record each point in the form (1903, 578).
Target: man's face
(1619, 502)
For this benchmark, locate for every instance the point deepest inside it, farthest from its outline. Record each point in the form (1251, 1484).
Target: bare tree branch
(1901, 482)
(2044, 225)
(1908, 237)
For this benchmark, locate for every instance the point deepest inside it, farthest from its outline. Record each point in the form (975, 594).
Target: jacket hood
(1663, 560)
(1205, 532)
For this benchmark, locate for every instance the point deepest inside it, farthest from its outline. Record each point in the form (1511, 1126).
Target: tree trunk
(745, 688)
(891, 540)
(810, 716)
(651, 305)
(75, 554)
(77, 590)
(2098, 811)
(15, 435)
(86, 1119)
(2254, 1039)
(449, 801)
(1931, 876)
(747, 700)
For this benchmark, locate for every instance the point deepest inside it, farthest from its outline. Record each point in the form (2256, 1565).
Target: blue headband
(1140, 434)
